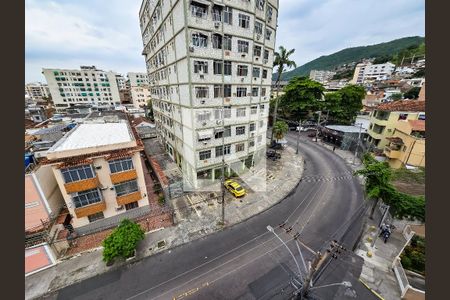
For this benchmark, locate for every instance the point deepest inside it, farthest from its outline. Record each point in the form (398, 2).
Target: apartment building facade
(321, 75)
(99, 172)
(37, 91)
(139, 89)
(87, 85)
(387, 116)
(372, 72)
(209, 67)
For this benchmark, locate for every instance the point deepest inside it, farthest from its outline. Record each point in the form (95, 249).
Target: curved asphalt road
(246, 261)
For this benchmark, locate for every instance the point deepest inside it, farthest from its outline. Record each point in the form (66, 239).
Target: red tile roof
(417, 125)
(403, 105)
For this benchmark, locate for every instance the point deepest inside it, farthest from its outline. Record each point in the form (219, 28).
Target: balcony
(123, 176)
(82, 185)
(90, 209)
(391, 153)
(128, 198)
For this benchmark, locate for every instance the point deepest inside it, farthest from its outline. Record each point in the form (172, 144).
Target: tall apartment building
(209, 66)
(370, 72)
(321, 75)
(88, 85)
(121, 82)
(37, 91)
(139, 89)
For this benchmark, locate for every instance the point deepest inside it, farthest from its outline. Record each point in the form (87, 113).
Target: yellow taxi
(235, 188)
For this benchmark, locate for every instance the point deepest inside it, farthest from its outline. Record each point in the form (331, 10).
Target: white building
(138, 79)
(121, 82)
(88, 85)
(210, 67)
(139, 89)
(37, 91)
(369, 72)
(321, 75)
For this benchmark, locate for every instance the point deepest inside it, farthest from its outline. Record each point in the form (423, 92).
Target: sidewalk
(196, 214)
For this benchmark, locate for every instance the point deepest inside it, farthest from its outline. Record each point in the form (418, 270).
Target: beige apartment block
(99, 172)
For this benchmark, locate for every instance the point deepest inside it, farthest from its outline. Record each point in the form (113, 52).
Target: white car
(301, 128)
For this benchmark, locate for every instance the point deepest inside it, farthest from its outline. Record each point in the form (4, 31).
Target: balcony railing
(123, 176)
(82, 185)
(90, 209)
(128, 198)
(391, 153)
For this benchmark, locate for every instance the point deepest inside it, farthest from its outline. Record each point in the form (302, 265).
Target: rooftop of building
(403, 105)
(94, 135)
(345, 128)
(417, 125)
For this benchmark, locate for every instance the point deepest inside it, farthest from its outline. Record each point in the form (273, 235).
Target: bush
(122, 241)
(161, 199)
(413, 257)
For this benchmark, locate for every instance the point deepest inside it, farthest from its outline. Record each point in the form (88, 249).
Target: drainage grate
(161, 244)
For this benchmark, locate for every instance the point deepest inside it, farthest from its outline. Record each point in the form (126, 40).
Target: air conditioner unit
(205, 143)
(204, 124)
(218, 122)
(119, 208)
(243, 55)
(191, 48)
(216, 24)
(242, 79)
(252, 134)
(234, 94)
(254, 78)
(258, 37)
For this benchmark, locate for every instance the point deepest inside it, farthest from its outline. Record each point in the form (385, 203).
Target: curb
(370, 289)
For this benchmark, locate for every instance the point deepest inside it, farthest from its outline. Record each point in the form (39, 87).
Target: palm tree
(281, 61)
(279, 129)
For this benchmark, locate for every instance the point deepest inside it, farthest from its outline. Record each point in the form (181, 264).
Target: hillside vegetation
(390, 50)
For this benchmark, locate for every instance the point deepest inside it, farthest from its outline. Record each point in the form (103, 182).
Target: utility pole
(381, 222)
(357, 143)
(298, 136)
(318, 124)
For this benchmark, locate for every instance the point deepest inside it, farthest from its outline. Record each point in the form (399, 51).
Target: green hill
(384, 50)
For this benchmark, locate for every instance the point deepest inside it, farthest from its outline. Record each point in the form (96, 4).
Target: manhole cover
(161, 244)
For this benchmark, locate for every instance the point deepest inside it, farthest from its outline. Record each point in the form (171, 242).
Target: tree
(279, 129)
(396, 96)
(345, 104)
(122, 241)
(413, 93)
(302, 96)
(281, 61)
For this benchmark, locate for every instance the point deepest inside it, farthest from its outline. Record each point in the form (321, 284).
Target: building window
(205, 154)
(199, 10)
(260, 4)
(120, 165)
(77, 173)
(227, 42)
(221, 150)
(96, 217)
(252, 127)
(241, 92)
(201, 92)
(240, 112)
(240, 147)
(403, 116)
(86, 198)
(199, 40)
(131, 205)
(257, 51)
(227, 67)
(269, 13)
(261, 124)
(242, 46)
(240, 130)
(200, 67)
(263, 92)
(258, 27)
(126, 187)
(244, 21)
(253, 110)
(259, 139)
(217, 41)
(255, 92)
(242, 70)
(264, 75)
(266, 54)
(268, 34)
(256, 72)
(218, 91)
(228, 15)
(251, 143)
(217, 13)
(227, 90)
(217, 67)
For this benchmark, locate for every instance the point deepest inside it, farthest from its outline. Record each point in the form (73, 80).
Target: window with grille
(199, 40)
(255, 92)
(242, 70)
(240, 112)
(203, 116)
(204, 154)
(264, 75)
(217, 41)
(217, 13)
(256, 72)
(218, 91)
(258, 27)
(269, 13)
(88, 197)
(200, 67)
(127, 187)
(221, 150)
(77, 173)
(257, 51)
(227, 42)
(263, 92)
(240, 147)
(241, 92)
(227, 90)
(268, 34)
(253, 110)
(120, 165)
(201, 92)
(252, 127)
(240, 130)
(217, 67)
(260, 4)
(251, 143)
(227, 67)
(228, 15)
(266, 54)
(244, 21)
(198, 10)
(242, 46)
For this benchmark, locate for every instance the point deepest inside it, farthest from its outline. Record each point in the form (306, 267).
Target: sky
(106, 33)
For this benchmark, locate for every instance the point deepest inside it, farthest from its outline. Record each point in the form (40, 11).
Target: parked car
(273, 154)
(276, 145)
(235, 188)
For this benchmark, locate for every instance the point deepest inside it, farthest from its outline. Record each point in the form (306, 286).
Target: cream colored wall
(417, 156)
(108, 194)
(49, 186)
